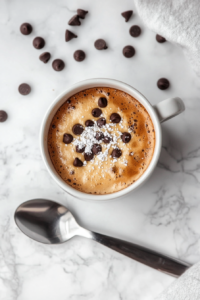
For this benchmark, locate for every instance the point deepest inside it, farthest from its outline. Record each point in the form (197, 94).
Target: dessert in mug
(101, 140)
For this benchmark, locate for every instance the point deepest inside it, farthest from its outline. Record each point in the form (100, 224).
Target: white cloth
(176, 20)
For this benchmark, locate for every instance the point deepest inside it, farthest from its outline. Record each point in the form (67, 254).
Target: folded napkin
(176, 20)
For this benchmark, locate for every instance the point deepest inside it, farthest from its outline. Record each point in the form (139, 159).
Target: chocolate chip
(135, 31)
(67, 138)
(96, 112)
(77, 162)
(74, 21)
(3, 116)
(102, 102)
(163, 83)
(115, 118)
(100, 44)
(24, 89)
(89, 123)
(58, 65)
(107, 139)
(88, 156)
(81, 13)
(96, 148)
(127, 14)
(38, 42)
(68, 101)
(80, 150)
(160, 39)
(53, 126)
(26, 28)
(126, 137)
(101, 122)
(77, 129)
(45, 57)
(79, 55)
(128, 51)
(116, 153)
(69, 35)
(99, 135)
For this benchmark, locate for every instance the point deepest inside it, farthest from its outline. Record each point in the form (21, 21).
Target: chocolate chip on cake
(45, 57)
(24, 89)
(102, 102)
(96, 149)
(26, 28)
(115, 118)
(79, 55)
(74, 21)
(77, 162)
(99, 136)
(128, 51)
(101, 122)
(127, 14)
(3, 116)
(107, 139)
(69, 35)
(67, 138)
(96, 112)
(126, 137)
(58, 65)
(38, 42)
(77, 129)
(80, 150)
(89, 123)
(116, 153)
(163, 83)
(160, 39)
(100, 44)
(88, 156)
(81, 13)
(135, 31)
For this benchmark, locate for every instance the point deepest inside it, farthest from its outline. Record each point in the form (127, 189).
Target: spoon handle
(143, 255)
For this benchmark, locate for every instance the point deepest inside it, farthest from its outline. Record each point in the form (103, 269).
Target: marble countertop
(162, 215)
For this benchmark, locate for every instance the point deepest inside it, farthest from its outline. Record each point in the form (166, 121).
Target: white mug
(159, 113)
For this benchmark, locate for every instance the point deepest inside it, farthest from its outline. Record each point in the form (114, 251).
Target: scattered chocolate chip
(96, 148)
(101, 122)
(107, 139)
(89, 123)
(135, 31)
(129, 51)
(99, 136)
(58, 65)
(67, 138)
(102, 102)
(77, 162)
(53, 126)
(74, 21)
(69, 35)
(163, 83)
(88, 156)
(26, 28)
(80, 150)
(77, 129)
(160, 39)
(24, 89)
(96, 112)
(131, 127)
(79, 55)
(127, 14)
(38, 42)
(3, 116)
(100, 44)
(45, 57)
(115, 118)
(126, 137)
(68, 101)
(71, 172)
(81, 13)
(116, 153)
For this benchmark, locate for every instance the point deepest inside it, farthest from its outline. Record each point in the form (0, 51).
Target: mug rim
(73, 89)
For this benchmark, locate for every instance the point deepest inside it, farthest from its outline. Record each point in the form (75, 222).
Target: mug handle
(169, 108)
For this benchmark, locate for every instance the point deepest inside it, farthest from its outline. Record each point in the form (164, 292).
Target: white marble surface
(162, 215)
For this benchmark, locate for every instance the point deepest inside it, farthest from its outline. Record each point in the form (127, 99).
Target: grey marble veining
(162, 215)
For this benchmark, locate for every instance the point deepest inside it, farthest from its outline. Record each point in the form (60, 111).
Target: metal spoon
(48, 222)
